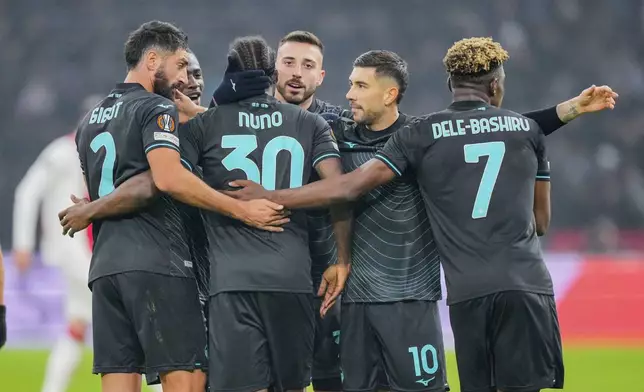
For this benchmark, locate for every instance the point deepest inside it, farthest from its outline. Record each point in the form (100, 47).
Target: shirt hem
(174, 275)
(389, 300)
(533, 290)
(260, 289)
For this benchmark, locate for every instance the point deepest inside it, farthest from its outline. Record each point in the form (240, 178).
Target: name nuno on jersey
(264, 121)
(449, 128)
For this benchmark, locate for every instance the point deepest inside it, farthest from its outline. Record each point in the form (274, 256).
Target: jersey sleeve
(543, 165)
(324, 142)
(160, 119)
(191, 139)
(401, 150)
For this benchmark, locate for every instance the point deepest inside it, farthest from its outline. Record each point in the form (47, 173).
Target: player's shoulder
(149, 101)
(424, 122)
(301, 115)
(323, 107)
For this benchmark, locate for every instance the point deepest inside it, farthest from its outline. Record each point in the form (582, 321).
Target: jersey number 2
(245, 144)
(495, 151)
(105, 140)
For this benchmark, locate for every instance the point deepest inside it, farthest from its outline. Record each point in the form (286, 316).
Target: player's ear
(391, 95)
(321, 79)
(151, 58)
(494, 87)
(449, 84)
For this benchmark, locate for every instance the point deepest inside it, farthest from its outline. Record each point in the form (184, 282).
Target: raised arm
(592, 99)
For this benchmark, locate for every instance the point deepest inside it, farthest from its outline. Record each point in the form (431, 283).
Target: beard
(161, 84)
(368, 117)
(296, 99)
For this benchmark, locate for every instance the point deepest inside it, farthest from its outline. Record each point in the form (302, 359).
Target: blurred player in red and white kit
(46, 188)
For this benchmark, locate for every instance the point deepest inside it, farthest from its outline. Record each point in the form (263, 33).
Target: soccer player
(139, 324)
(262, 282)
(396, 207)
(483, 175)
(46, 187)
(299, 73)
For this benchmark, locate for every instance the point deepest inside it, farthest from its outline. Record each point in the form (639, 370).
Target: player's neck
(307, 103)
(469, 94)
(134, 76)
(386, 120)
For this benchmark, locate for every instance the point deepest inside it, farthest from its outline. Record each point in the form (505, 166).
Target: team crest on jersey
(166, 122)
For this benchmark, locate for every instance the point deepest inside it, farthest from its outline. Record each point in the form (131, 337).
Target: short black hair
(304, 37)
(253, 53)
(386, 63)
(162, 35)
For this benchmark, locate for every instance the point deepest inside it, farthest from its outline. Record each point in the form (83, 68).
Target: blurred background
(59, 56)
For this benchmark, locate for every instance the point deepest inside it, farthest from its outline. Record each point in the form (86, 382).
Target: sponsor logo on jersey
(167, 137)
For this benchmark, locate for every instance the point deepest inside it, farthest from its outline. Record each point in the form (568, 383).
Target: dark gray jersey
(276, 145)
(394, 257)
(112, 141)
(476, 166)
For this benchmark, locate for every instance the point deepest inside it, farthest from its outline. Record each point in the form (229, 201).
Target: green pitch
(587, 369)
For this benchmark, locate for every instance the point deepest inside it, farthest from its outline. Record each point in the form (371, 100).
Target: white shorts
(78, 297)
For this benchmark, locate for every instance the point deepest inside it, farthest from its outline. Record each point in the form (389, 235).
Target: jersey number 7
(495, 151)
(244, 145)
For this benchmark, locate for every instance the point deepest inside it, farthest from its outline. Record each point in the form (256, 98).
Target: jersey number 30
(495, 151)
(106, 141)
(245, 144)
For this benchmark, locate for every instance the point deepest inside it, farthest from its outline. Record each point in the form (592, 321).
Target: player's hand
(265, 215)
(3, 326)
(333, 281)
(75, 218)
(23, 259)
(238, 84)
(247, 190)
(595, 99)
(187, 109)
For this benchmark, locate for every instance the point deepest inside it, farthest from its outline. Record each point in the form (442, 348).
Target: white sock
(63, 361)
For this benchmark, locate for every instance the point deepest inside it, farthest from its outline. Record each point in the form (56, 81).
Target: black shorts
(326, 374)
(260, 339)
(508, 341)
(147, 323)
(404, 338)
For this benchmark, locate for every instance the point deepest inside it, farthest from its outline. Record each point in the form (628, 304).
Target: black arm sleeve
(547, 119)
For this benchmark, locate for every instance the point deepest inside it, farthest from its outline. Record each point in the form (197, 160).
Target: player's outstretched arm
(172, 178)
(131, 196)
(345, 188)
(542, 206)
(593, 99)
